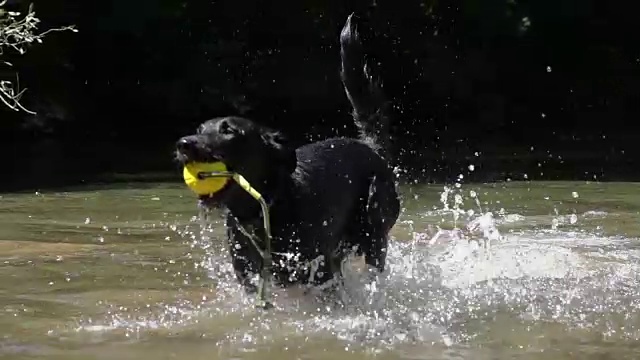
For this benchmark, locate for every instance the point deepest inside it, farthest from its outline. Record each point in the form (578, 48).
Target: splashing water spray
(483, 223)
(208, 179)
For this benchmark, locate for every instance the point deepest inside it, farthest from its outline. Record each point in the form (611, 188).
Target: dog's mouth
(184, 158)
(216, 199)
(214, 157)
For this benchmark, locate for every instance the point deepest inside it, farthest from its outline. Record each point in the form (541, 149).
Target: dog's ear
(281, 150)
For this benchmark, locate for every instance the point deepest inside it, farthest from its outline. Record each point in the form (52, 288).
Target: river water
(502, 271)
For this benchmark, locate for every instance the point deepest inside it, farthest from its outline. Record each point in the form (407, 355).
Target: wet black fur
(326, 198)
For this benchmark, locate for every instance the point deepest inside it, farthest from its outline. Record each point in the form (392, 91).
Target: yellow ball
(205, 186)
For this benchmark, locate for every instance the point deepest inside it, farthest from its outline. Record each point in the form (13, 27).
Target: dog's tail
(370, 107)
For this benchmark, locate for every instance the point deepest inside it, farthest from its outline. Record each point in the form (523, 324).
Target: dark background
(547, 89)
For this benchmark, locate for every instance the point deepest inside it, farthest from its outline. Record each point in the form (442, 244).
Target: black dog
(326, 198)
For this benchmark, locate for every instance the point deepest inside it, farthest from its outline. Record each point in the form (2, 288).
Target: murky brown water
(126, 273)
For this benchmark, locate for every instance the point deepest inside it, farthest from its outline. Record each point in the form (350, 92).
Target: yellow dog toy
(209, 178)
(195, 176)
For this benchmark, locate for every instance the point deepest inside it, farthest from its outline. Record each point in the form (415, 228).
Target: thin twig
(15, 34)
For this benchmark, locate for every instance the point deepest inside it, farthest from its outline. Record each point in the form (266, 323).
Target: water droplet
(573, 219)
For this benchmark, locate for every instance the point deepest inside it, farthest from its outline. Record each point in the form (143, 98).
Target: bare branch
(11, 95)
(16, 34)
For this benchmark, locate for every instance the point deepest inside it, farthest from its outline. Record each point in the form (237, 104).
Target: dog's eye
(225, 128)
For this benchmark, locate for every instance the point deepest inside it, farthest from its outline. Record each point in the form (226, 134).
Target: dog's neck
(247, 210)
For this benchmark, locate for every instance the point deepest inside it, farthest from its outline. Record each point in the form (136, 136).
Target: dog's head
(258, 153)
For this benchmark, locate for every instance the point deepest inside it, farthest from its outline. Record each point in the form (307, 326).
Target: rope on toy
(205, 179)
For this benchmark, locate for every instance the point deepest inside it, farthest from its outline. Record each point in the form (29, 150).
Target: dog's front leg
(243, 259)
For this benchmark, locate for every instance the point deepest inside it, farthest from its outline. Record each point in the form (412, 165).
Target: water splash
(444, 285)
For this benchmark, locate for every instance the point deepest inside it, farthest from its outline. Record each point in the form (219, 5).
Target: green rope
(264, 293)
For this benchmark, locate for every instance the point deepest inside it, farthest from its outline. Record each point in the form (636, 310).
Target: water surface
(128, 273)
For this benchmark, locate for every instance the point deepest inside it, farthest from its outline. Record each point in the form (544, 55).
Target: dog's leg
(335, 264)
(378, 219)
(335, 275)
(375, 251)
(325, 272)
(241, 251)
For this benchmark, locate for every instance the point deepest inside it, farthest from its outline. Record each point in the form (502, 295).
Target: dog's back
(342, 168)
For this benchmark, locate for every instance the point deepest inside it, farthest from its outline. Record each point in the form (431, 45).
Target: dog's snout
(186, 144)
